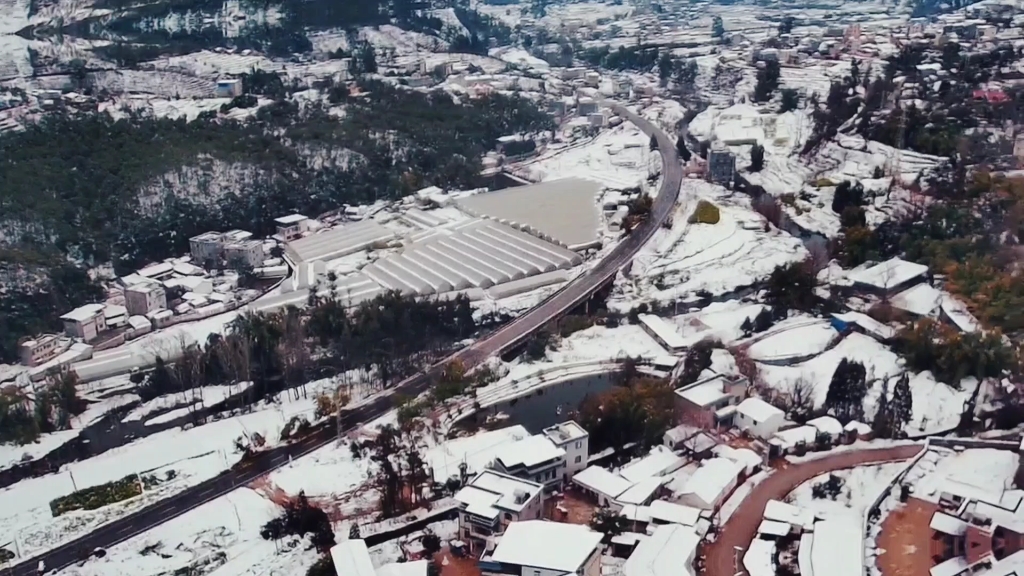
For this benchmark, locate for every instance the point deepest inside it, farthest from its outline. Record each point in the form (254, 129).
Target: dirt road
(723, 559)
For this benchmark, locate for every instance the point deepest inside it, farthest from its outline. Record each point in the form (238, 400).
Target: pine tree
(902, 403)
(756, 158)
(846, 391)
(684, 153)
(881, 425)
(654, 143)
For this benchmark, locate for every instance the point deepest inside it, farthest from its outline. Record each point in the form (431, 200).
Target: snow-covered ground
(194, 455)
(936, 406)
(794, 341)
(221, 535)
(618, 157)
(719, 258)
(183, 402)
(861, 486)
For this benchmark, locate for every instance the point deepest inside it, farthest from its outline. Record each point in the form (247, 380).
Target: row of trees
(23, 416)
(387, 337)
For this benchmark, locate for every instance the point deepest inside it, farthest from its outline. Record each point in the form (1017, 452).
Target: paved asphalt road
(497, 342)
(724, 557)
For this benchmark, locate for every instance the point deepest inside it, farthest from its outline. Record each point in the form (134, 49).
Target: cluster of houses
(203, 284)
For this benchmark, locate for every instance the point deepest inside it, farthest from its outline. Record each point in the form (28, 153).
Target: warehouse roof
(564, 211)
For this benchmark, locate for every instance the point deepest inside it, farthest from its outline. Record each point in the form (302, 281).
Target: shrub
(97, 496)
(706, 213)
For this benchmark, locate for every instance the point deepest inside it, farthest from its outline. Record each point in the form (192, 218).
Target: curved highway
(497, 342)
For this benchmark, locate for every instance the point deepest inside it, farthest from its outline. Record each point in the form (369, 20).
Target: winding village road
(724, 557)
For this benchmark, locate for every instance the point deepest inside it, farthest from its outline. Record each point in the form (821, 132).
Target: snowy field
(619, 157)
(719, 258)
(936, 406)
(221, 536)
(194, 455)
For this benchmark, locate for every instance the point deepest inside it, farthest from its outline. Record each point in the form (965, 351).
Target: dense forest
(70, 186)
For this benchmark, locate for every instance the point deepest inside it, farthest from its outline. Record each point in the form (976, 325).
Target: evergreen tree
(790, 100)
(767, 81)
(902, 402)
(653, 144)
(747, 327)
(846, 391)
(882, 423)
(717, 27)
(756, 158)
(684, 153)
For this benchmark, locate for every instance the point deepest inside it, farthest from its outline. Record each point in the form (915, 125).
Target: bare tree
(801, 399)
(235, 351)
(293, 350)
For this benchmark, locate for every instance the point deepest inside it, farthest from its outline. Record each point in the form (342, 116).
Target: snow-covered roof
(758, 410)
(858, 427)
(528, 452)
(743, 456)
(290, 219)
(704, 393)
(779, 511)
(157, 269)
(774, 528)
(794, 436)
(565, 432)
(668, 552)
(628, 538)
(658, 462)
(601, 481)
(836, 550)
(352, 558)
(712, 479)
(641, 492)
(958, 314)
(636, 513)
(942, 522)
(922, 300)
(888, 274)
(414, 568)
(869, 324)
(674, 513)
(548, 545)
(827, 425)
(83, 313)
(490, 492)
(758, 558)
(804, 554)
(681, 433)
(663, 331)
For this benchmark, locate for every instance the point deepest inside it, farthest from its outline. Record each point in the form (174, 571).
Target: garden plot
(601, 343)
(717, 258)
(721, 321)
(859, 488)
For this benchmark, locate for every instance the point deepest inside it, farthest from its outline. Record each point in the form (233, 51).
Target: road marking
(123, 530)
